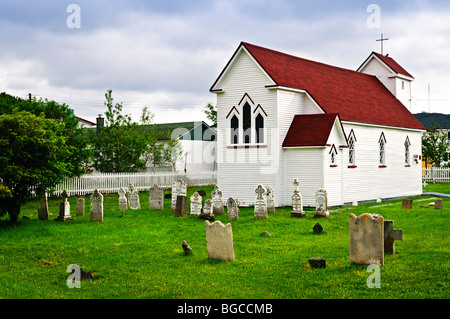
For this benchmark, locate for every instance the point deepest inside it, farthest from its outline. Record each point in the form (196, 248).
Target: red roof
(390, 62)
(356, 97)
(310, 130)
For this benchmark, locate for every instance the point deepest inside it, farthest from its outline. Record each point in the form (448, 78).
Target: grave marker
(42, 206)
(407, 203)
(133, 197)
(260, 202)
(232, 209)
(156, 197)
(219, 240)
(196, 204)
(297, 201)
(438, 204)
(123, 202)
(390, 235)
(366, 239)
(321, 204)
(64, 208)
(270, 200)
(181, 207)
(178, 188)
(216, 196)
(80, 206)
(96, 211)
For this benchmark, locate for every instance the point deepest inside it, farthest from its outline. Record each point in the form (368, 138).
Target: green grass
(138, 254)
(443, 187)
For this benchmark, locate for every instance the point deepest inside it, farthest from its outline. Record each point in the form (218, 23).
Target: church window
(407, 151)
(259, 125)
(382, 149)
(351, 150)
(234, 130)
(247, 122)
(333, 155)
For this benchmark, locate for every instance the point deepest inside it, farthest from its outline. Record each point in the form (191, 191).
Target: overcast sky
(166, 54)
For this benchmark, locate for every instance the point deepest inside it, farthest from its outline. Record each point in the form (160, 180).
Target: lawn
(443, 187)
(138, 254)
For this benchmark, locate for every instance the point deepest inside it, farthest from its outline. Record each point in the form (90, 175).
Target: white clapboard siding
(368, 181)
(333, 176)
(375, 67)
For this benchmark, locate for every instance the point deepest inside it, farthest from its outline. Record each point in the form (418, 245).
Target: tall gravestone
(42, 206)
(270, 198)
(178, 188)
(181, 208)
(96, 208)
(133, 197)
(64, 208)
(366, 239)
(219, 240)
(80, 206)
(232, 209)
(297, 201)
(260, 202)
(321, 204)
(123, 202)
(216, 196)
(196, 204)
(156, 197)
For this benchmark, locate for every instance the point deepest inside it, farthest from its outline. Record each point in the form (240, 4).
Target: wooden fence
(435, 174)
(111, 182)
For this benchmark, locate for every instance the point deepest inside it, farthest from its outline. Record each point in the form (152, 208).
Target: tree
(211, 112)
(435, 145)
(121, 145)
(33, 150)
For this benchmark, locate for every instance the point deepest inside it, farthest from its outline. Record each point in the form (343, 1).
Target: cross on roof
(382, 40)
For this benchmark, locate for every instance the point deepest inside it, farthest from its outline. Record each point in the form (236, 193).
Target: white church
(282, 117)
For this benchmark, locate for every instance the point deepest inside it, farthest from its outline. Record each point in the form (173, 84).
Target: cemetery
(153, 249)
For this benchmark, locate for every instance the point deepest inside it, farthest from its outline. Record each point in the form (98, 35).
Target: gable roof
(355, 96)
(310, 130)
(392, 64)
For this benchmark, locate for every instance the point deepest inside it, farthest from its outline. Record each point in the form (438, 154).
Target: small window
(259, 125)
(351, 150)
(247, 123)
(407, 151)
(382, 149)
(234, 130)
(403, 85)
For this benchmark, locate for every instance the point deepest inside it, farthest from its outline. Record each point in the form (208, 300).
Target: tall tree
(435, 145)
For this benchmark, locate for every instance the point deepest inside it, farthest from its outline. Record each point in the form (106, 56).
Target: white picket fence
(436, 174)
(111, 182)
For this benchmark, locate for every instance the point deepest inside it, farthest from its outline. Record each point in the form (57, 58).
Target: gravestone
(366, 239)
(96, 212)
(123, 202)
(232, 209)
(297, 201)
(178, 188)
(270, 198)
(318, 229)
(216, 196)
(219, 240)
(207, 211)
(438, 204)
(181, 208)
(186, 248)
(80, 207)
(64, 208)
(407, 203)
(390, 235)
(156, 197)
(196, 204)
(133, 197)
(321, 204)
(317, 262)
(260, 202)
(42, 206)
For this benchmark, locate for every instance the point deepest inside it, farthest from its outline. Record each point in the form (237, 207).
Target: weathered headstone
(196, 204)
(390, 235)
(260, 202)
(80, 207)
(133, 197)
(64, 208)
(181, 207)
(178, 188)
(96, 211)
(321, 204)
(407, 203)
(156, 197)
(42, 206)
(232, 209)
(270, 198)
(219, 240)
(207, 211)
(186, 248)
(366, 239)
(297, 201)
(216, 196)
(318, 229)
(438, 204)
(123, 202)
(317, 262)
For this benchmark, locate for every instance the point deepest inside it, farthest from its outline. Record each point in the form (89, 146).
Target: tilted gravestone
(156, 197)
(181, 207)
(321, 204)
(407, 203)
(96, 208)
(260, 202)
(42, 206)
(178, 188)
(80, 206)
(219, 240)
(64, 208)
(270, 198)
(232, 209)
(366, 239)
(196, 204)
(297, 201)
(133, 197)
(216, 196)
(123, 202)
(390, 235)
